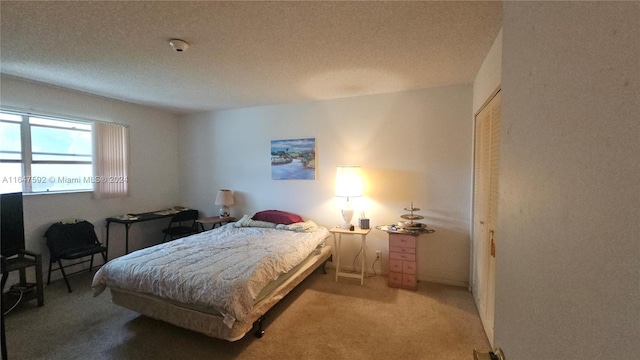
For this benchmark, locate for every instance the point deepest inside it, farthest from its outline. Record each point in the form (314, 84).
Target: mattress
(212, 324)
(222, 272)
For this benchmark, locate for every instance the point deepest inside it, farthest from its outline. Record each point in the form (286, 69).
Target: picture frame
(293, 159)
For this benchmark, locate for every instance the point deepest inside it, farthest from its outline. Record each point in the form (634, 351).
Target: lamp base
(224, 211)
(347, 215)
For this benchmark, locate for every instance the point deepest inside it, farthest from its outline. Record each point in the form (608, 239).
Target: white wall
(154, 166)
(568, 274)
(489, 76)
(413, 146)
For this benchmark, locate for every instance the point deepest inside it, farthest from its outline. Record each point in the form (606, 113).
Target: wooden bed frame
(211, 324)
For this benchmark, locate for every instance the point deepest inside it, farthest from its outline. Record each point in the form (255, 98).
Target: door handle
(493, 244)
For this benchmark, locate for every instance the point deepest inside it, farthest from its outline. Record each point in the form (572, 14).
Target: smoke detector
(179, 45)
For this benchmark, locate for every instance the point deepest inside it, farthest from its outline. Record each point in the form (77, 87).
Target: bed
(219, 282)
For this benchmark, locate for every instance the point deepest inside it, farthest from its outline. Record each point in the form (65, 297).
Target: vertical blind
(111, 160)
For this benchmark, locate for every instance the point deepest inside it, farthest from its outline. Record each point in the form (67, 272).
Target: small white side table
(337, 237)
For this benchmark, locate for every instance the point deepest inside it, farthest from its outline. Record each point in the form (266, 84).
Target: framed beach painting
(293, 159)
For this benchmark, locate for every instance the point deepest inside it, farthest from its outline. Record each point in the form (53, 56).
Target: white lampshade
(224, 198)
(348, 181)
(348, 184)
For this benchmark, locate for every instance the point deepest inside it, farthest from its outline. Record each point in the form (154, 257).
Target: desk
(214, 220)
(130, 219)
(337, 237)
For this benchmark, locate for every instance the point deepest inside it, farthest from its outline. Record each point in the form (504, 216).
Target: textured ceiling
(245, 54)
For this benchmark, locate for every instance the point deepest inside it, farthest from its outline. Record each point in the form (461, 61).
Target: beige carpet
(321, 319)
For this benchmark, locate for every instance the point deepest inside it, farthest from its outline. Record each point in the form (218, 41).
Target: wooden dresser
(403, 270)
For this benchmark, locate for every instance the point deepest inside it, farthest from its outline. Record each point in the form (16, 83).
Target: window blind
(111, 160)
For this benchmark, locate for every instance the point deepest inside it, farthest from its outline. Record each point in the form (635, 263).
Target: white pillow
(246, 221)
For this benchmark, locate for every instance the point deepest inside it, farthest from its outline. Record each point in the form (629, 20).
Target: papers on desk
(171, 211)
(167, 212)
(126, 217)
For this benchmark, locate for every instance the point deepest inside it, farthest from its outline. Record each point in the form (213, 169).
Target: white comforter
(223, 269)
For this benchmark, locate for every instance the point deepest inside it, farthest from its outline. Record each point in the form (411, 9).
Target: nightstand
(214, 220)
(337, 237)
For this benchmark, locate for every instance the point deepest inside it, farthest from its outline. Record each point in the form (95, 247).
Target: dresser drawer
(395, 279)
(409, 281)
(409, 267)
(402, 249)
(401, 256)
(401, 240)
(395, 266)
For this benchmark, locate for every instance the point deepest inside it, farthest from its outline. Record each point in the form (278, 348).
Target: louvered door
(485, 209)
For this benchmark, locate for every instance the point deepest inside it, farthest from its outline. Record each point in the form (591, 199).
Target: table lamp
(348, 184)
(224, 198)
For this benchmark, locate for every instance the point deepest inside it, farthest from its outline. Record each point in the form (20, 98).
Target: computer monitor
(12, 224)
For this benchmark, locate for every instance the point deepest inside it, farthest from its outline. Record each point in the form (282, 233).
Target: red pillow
(277, 216)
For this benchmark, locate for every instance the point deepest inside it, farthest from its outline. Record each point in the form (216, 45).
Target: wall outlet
(378, 254)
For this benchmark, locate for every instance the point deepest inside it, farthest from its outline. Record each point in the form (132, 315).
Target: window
(10, 153)
(44, 154)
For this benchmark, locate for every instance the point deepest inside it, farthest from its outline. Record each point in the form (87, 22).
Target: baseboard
(464, 284)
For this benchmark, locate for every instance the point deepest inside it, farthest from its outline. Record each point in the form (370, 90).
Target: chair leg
(39, 287)
(64, 275)
(104, 256)
(91, 263)
(4, 339)
(49, 276)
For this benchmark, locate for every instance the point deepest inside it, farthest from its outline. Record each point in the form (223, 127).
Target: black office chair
(72, 241)
(182, 224)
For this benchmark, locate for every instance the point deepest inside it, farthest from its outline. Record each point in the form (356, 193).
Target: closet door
(485, 209)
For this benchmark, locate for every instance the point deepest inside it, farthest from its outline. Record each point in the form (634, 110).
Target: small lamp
(224, 198)
(348, 184)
